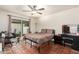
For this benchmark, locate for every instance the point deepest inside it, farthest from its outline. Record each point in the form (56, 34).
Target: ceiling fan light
(33, 12)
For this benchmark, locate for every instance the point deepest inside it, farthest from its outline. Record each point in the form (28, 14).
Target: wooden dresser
(71, 39)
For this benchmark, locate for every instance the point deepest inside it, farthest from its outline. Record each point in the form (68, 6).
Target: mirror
(70, 28)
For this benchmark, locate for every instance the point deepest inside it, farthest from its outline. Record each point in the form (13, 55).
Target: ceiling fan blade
(30, 7)
(41, 9)
(39, 12)
(34, 6)
(26, 11)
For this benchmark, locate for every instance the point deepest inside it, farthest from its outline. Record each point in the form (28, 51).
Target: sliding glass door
(16, 26)
(25, 27)
(19, 27)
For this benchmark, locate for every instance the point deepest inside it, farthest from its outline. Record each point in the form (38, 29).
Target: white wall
(32, 25)
(56, 20)
(4, 20)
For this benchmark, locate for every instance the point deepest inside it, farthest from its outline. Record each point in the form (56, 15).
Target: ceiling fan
(34, 9)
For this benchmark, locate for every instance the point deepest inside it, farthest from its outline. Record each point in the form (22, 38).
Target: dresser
(71, 39)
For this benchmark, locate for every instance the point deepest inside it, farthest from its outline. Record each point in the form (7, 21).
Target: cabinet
(58, 39)
(71, 39)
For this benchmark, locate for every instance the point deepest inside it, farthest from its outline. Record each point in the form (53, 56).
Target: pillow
(43, 30)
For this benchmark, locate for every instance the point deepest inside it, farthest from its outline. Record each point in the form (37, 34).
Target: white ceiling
(49, 9)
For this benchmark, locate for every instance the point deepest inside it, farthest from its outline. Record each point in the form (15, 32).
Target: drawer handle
(67, 38)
